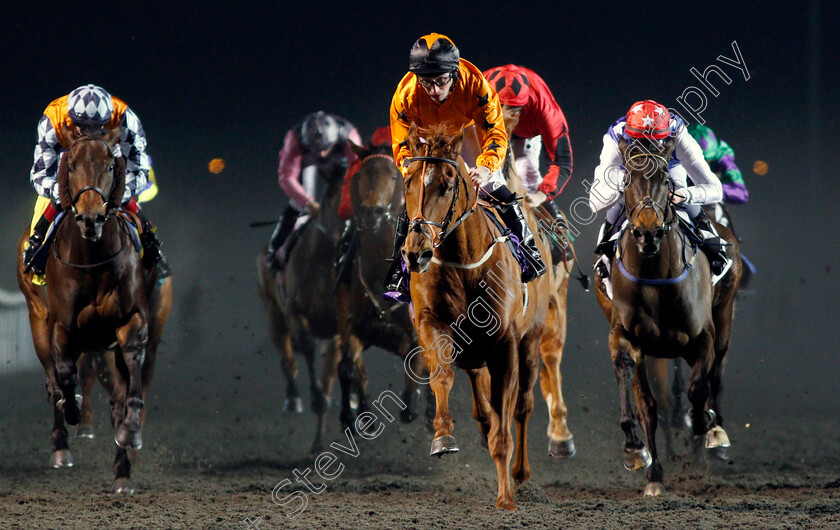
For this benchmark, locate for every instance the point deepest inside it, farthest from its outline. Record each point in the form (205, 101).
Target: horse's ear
(462, 167)
(70, 133)
(622, 147)
(112, 136)
(669, 147)
(457, 142)
(63, 179)
(415, 145)
(115, 199)
(360, 151)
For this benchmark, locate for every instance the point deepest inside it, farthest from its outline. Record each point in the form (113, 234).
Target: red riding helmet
(648, 119)
(511, 83)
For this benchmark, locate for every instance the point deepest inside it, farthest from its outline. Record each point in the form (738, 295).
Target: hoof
(127, 439)
(61, 458)
(506, 504)
(720, 453)
(716, 437)
(444, 444)
(85, 431)
(635, 459)
(653, 489)
(124, 486)
(293, 404)
(562, 449)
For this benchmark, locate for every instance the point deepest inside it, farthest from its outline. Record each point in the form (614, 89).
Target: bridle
(447, 226)
(111, 209)
(648, 202)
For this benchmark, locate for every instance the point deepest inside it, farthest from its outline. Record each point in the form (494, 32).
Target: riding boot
(514, 219)
(557, 217)
(605, 250)
(396, 280)
(713, 246)
(152, 255)
(344, 252)
(33, 245)
(281, 233)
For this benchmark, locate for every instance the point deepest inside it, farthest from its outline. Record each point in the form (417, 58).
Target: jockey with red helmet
(536, 126)
(88, 110)
(439, 88)
(651, 120)
(317, 142)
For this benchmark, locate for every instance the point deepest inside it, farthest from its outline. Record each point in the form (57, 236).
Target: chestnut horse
(364, 319)
(664, 306)
(98, 298)
(469, 305)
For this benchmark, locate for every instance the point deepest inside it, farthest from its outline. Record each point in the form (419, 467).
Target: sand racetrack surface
(217, 444)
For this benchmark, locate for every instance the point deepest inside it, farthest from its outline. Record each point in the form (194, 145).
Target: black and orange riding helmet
(433, 54)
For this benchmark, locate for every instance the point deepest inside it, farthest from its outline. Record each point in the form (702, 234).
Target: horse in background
(469, 309)
(664, 306)
(364, 319)
(98, 299)
(302, 313)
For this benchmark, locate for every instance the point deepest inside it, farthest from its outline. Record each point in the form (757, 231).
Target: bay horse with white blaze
(98, 298)
(664, 306)
(469, 305)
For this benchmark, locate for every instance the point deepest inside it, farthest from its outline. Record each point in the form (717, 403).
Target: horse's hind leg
(561, 443)
(320, 401)
(625, 358)
(504, 384)
(351, 349)
(87, 377)
(699, 389)
(483, 414)
(646, 407)
(529, 361)
(411, 392)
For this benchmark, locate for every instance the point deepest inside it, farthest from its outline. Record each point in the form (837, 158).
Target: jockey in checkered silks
(89, 111)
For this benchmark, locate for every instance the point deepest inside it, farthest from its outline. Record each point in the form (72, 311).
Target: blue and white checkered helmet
(90, 105)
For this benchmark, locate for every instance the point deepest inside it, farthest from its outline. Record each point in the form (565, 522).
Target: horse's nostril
(100, 218)
(637, 233)
(659, 234)
(79, 218)
(426, 255)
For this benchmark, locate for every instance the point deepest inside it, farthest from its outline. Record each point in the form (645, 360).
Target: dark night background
(213, 81)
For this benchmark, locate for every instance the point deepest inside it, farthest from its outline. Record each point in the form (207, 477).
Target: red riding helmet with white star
(648, 119)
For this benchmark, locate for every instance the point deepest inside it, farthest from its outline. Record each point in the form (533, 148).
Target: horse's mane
(63, 177)
(440, 141)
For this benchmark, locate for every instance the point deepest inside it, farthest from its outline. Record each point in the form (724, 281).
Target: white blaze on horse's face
(429, 176)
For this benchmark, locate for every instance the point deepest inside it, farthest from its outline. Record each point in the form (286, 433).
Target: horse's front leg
(438, 354)
(625, 358)
(87, 376)
(66, 374)
(561, 442)
(529, 362)
(647, 409)
(482, 413)
(699, 389)
(132, 339)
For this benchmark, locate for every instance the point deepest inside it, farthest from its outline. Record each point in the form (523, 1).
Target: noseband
(648, 202)
(446, 226)
(75, 198)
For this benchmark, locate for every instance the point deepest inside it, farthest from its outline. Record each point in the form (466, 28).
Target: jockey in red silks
(652, 121)
(539, 131)
(380, 142)
(88, 110)
(318, 142)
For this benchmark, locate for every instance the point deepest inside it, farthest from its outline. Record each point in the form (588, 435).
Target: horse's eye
(111, 167)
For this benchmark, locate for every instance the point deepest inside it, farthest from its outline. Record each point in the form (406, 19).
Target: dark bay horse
(302, 312)
(364, 319)
(664, 306)
(469, 305)
(98, 299)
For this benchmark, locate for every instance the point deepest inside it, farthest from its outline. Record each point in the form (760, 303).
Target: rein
(85, 266)
(447, 226)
